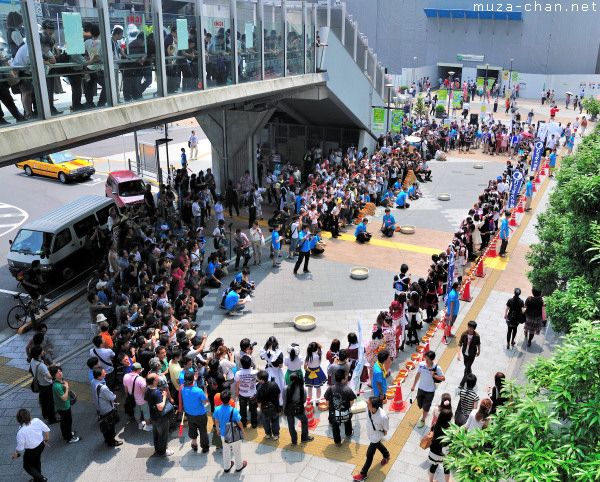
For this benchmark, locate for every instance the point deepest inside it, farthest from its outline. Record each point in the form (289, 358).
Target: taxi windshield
(31, 242)
(131, 188)
(63, 156)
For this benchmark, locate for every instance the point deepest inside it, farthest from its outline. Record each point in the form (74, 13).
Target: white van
(58, 236)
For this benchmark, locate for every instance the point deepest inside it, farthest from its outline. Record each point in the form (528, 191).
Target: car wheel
(62, 177)
(68, 273)
(28, 171)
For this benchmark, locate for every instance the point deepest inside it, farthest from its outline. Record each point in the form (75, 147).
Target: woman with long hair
(478, 418)
(273, 356)
(293, 361)
(294, 398)
(437, 449)
(534, 309)
(372, 348)
(314, 376)
(497, 392)
(512, 315)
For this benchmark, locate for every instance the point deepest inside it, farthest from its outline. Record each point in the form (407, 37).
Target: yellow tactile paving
(390, 244)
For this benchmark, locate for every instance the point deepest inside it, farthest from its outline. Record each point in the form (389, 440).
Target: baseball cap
(101, 284)
(136, 366)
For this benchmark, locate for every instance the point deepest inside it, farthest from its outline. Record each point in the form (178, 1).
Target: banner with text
(505, 74)
(450, 274)
(396, 123)
(443, 95)
(538, 149)
(480, 84)
(517, 180)
(456, 99)
(378, 119)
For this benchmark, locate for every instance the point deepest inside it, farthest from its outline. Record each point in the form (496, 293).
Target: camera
(253, 344)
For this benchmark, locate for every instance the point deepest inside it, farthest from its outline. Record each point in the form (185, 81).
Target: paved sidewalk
(339, 303)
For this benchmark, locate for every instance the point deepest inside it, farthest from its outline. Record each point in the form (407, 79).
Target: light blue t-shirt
(388, 220)
(529, 189)
(504, 229)
(361, 228)
(222, 414)
(378, 378)
(193, 398)
(275, 240)
(452, 297)
(304, 245)
(426, 382)
(231, 300)
(401, 199)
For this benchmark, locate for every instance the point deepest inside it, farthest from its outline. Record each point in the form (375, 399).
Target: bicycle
(22, 312)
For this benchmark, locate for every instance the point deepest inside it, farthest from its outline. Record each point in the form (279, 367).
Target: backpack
(223, 296)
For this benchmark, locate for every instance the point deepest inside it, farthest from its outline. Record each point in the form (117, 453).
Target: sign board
(396, 122)
(470, 57)
(443, 95)
(456, 99)
(505, 74)
(378, 119)
(515, 76)
(73, 33)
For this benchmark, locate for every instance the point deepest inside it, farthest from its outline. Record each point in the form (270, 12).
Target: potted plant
(420, 109)
(593, 107)
(440, 110)
(403, 89)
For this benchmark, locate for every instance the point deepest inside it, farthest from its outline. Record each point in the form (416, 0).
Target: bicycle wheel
(17, 317)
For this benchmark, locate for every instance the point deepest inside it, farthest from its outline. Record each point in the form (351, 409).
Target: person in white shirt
(219, 210)
(378, 425)
(31, 438)
(105, 356)
(256, 238)
(245, 391)
(193, 144)
(294, 228)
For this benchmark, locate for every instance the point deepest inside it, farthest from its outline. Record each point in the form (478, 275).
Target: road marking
(19, 214)
(8, 292)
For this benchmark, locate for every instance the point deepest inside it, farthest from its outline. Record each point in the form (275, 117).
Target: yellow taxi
(62, 165)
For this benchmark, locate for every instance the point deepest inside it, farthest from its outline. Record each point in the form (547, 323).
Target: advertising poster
(443, 95)
(396, 123)
(378, 119)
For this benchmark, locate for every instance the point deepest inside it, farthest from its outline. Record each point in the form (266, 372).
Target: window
(62, 239)
(102, 214)
(82, 227)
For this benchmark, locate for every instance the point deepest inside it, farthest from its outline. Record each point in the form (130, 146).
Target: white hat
(100, 318)
(101, 284)
(200, 228)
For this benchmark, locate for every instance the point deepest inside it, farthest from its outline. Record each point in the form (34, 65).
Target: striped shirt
(467, 400)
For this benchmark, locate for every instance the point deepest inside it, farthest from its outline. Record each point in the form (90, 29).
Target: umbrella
(569, 93)
(527, 134)
(412, 139)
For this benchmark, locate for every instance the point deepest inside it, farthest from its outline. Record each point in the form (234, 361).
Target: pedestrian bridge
(232, 83)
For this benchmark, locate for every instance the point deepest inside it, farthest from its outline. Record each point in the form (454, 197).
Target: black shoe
(229, 469)
(254, 425)
(116, 443)
(56, 420)
(55, 111)
(4, 122)
(310, 438)
(205, 451)
(306, 271)
(194, 447)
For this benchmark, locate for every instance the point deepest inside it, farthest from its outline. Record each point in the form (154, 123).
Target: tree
(549, 430)
(592, 106)
(420, 109)
(566, 233)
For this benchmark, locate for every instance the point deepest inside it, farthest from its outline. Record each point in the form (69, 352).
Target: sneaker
(74, 440)
(348, 437)
(168, 453)
(421, 424)
(444, 340)
(148, 428)
(385, 460)
(310, 438)
(275, 437)
(360, 477)
(194, 447)
(268, 436)
(233, 313)
(227, 470)
(141, 425)
(244, 465)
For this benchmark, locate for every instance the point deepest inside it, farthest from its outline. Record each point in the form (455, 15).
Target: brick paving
(339, 303)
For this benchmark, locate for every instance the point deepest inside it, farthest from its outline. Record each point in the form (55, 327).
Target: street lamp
(389, 86)
(485, 82)
(510, 74)
(450, 76)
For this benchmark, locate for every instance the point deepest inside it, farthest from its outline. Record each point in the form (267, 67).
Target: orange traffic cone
(466, 291)
(491, 252)
(398, 405)
(513, 219)
(310, 414)
(442, 323)
(479, 268)
(543, 168)
(520, 208)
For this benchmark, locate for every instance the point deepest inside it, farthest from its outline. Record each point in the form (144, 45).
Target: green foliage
(579, 300)
(566, 233)
(403, 88)
(550, 428)
(420, 108)
(591, 105)
(440, 108)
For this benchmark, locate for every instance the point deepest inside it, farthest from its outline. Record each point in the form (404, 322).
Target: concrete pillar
(365, 139)
(231, 134)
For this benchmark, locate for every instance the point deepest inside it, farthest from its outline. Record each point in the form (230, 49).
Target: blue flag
(517, 180)
(537, 156)
(450, 274)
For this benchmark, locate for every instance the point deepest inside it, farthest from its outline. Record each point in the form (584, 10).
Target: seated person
(388, 225)
(361, 233)
(242, 279)
(233, 303)
(317, 245)
(440, 155)
(401, 200)
(386, 200)
(213, 272)
(425, 171)
(413, 192)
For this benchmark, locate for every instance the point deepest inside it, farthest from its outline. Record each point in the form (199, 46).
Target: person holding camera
(242, 248)
(361, 233)
(192, 403)
(233, 304)
(245, 391)
(160, 414)
(304, 240)
(428, 376)
(377, 428)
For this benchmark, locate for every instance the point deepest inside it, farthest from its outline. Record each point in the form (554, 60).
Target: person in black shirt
(33, 284)
(268, 404)
(341, 398)
(149, 200)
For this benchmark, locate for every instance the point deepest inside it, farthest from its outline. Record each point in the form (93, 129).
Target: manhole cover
(322, 303)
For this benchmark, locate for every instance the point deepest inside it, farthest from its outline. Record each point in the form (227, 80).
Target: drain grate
(283, 324)
(322, 303)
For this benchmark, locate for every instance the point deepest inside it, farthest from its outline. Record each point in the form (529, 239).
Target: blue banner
(517, 180)
(450, 274)
(354, 382)
(537, 156)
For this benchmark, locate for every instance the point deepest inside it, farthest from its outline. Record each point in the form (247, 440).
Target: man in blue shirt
(452, 307)
(276, 244)
(504, 233)
(529, 193)
(380, 371)
(304, 240)
(388, 225)
(361, 233)
(401, 200)
(223, 414)
(233, 304)
(193, 399)
(552, 162)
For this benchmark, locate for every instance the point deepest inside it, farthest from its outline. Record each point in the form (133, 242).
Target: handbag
(459, 418)
(35, 384)
(269, 410)
(233, 432)
(108, 421)
(130, 399)
(167, 409)
(427, 440)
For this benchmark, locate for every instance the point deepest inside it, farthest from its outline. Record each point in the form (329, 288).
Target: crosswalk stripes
(11, 217)
(454, 216)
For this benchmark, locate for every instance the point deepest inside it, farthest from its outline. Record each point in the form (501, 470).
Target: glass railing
(87, 58)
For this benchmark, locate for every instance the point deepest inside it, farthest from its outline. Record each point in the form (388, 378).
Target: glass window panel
(310, 48)
(250, 44)
(218, 50)
(273, 35)
(184, 72)
(295, 49)
(19, 89)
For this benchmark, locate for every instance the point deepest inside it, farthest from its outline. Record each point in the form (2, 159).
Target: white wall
(531, 85)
